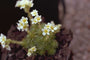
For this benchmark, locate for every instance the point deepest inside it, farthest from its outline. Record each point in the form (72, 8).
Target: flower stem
(28, 31)
(39, 25)
(15, 42)
(29, 15)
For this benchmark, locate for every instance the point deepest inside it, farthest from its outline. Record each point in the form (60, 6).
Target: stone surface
(78, 20)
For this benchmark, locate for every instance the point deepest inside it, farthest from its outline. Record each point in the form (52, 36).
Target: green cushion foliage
(43, 43)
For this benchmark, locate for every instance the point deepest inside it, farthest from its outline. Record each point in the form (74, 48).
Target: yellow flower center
(21, 24)
(47, 26)
(24, 26)
(38, 18)
(34, 13)
(35, 21)
(23, 5)
(24, 20)
(52, 27)
(45, 31)
(3, 39)
(33, 49)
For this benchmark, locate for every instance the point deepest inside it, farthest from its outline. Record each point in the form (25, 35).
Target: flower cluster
(50, 27)
(23, 24)
(3, 42)
(24, 3)
(37, 18)
(31, 50)
(34, 39)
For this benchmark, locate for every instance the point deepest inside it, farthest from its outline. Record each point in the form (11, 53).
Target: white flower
(19, 26)
(24, 20)
(29, 54)
(3, 44)
(48, 25)
(34, 21)
(23, 24)
(22, 27)
(57, 27)
(34, 13)
(18, 4)
(23, 3)
(25, 27)
(2, 40)
(53, 27)
(45, 31)
(31, 50)
(38, 18)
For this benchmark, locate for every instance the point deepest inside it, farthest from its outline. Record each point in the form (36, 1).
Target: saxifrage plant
(40, 36)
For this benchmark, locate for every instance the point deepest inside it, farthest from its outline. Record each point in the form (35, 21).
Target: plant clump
(40, 37)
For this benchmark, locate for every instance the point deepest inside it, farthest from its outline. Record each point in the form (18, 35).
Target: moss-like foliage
(43, 43)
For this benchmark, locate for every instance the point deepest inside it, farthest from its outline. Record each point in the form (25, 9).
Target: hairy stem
(29, 15)
(15, 42)
(39, 26)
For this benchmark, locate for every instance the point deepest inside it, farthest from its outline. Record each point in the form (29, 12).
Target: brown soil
(18, 53)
